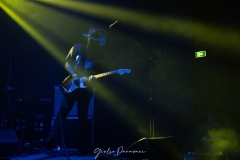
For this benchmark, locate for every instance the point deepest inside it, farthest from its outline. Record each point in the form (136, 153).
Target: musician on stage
(80, 61)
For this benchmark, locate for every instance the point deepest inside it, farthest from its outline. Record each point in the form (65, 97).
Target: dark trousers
(83, 97)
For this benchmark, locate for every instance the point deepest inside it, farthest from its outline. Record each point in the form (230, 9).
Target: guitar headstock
(122, 71)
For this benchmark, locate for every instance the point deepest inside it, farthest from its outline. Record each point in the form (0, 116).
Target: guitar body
(68, 83)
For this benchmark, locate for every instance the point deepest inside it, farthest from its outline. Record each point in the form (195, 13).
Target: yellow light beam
(132, 116)
(46, 26)
(41, 37)
(173, 26)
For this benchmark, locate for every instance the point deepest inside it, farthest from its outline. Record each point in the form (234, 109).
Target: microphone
(110, 26)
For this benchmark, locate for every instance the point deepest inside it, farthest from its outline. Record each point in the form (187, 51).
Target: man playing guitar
(79, 63)
(78, 86)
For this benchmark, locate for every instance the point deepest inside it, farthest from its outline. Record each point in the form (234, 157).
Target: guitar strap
(78, 57)
(80, 62)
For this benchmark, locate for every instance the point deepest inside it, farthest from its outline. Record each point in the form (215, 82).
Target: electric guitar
(69, 86)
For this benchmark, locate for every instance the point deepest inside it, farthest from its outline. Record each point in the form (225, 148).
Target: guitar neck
(105, 74)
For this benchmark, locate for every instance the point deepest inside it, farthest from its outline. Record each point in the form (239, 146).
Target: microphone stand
(152, 60)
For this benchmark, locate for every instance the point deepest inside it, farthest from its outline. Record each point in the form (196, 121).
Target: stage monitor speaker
(155, 148)
(9, 144)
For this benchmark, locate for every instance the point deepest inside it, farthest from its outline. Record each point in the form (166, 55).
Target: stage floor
(71, 154)
(61, 155)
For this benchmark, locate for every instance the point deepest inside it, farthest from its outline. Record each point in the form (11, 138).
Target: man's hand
(76, 80)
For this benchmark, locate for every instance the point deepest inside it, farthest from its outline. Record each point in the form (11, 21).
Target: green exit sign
(200, 54)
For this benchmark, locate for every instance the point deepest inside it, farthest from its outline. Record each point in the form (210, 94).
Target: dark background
(189, 95)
